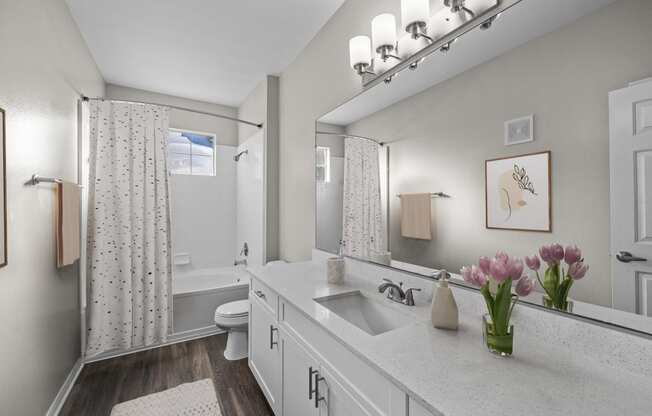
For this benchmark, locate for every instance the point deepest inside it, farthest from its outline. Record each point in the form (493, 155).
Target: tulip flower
(478, 276)
(546, 254)
(573, 255)
(499, 270)
(525, 286)
(557, 252)
(578, 270)
(502, 257)
(485, 264)
(515, 268)
(533, 263)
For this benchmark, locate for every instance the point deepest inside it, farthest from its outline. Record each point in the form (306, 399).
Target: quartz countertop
(452, 373)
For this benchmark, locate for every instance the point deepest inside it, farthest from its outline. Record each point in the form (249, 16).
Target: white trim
(173, 339)
(65, 389)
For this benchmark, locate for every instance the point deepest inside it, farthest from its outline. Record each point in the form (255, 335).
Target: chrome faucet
(396, 292)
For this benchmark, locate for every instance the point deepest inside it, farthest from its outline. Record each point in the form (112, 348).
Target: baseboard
(173, 339)
(64, 391)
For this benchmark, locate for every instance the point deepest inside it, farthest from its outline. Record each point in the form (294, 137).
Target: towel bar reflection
(36, 179)
(434, 195)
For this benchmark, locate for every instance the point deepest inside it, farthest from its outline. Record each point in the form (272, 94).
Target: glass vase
(502, 345)
(567, 306)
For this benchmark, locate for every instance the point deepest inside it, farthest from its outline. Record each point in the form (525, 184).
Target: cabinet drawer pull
(260, 294)
(271, 337)
(318, 399)
(311, 372)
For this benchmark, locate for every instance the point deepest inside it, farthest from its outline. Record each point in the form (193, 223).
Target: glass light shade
(408, 46)
(381, 66)
(360, 51)
(383, 30)
(414, 11)
(445, 22)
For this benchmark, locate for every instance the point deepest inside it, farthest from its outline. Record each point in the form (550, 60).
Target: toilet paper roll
(335, 270)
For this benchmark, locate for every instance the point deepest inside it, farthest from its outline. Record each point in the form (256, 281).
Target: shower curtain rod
(353, 136)
(251, 123)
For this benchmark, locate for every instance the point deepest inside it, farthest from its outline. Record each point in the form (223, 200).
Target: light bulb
(360, 51)
(414, 11)
(383, 31)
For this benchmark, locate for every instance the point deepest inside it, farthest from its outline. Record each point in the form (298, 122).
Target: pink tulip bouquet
(495, 277)
(557, 282)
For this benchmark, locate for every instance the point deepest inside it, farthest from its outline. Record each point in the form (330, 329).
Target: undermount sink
(368, 314)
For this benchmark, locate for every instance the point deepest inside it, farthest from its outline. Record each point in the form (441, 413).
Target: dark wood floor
(103, 384)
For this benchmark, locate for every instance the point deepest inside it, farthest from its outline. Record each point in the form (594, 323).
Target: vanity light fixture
(386, 49)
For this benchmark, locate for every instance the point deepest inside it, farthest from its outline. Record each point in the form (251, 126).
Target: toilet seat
(236, 309)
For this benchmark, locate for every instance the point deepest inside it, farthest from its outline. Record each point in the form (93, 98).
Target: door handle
(627, 257)
(271, 337)
(318, 399)
(311, 372)
(260, 294)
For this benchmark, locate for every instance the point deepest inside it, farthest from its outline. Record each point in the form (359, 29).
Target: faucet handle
(409, 296)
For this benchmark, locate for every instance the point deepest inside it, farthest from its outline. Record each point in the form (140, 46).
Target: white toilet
(234, 318)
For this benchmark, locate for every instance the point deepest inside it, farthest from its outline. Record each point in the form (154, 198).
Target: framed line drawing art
(518, 193)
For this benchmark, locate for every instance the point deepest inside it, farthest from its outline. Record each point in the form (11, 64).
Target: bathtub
(198, 293)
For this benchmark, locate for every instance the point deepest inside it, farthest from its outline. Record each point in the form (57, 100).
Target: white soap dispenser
(444, 313)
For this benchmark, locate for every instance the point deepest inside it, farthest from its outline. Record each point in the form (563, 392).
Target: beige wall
(226, 130)
(45, 66)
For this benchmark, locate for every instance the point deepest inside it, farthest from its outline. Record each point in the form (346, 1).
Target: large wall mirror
(534, 132)
(3, 193)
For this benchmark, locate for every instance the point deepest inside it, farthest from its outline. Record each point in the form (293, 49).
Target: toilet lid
(237, 308)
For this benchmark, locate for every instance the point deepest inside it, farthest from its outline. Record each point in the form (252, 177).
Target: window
(191, 153)
(323, 164)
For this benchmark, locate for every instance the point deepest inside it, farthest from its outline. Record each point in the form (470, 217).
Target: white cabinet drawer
(267, 296)
(375, 392)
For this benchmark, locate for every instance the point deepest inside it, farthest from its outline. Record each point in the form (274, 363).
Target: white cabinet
(264, 352)
(338, 398)
(300, 370)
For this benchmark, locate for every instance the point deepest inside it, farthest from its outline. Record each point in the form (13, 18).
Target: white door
(338, 397)
(630, 148)
(264, 352)
(300, 371)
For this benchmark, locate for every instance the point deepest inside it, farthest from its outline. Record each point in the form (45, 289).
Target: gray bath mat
(190, 399)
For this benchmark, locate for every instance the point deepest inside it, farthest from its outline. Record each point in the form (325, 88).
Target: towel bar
(36, 179)
(434, 195)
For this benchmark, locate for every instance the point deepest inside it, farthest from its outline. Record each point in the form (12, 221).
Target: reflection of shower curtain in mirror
(363, 229)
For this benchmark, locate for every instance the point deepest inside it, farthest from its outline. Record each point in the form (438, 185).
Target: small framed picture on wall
(518, 194)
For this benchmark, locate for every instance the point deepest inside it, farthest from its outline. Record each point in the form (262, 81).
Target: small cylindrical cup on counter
(335, 270)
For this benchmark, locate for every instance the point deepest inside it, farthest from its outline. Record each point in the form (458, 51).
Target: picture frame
(3, 190)
(519, 130)
(518, 194)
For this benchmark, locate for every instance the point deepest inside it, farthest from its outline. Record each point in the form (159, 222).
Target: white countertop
(452, 373)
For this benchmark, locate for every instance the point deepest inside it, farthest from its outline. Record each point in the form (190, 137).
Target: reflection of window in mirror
(323, 164)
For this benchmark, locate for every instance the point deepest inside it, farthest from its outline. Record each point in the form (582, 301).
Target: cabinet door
(417, 410)
(264, 352)
(338, 397)
(300, 370)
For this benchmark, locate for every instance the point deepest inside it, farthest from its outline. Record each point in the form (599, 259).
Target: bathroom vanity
(320, 349)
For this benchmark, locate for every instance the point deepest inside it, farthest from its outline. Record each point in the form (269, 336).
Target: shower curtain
(363, 229)
(129, 244)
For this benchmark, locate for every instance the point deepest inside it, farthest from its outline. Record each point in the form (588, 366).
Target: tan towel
(415, 216)
(67, 223)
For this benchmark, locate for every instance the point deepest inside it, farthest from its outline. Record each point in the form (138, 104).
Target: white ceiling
(525, 21)
(209, 50)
